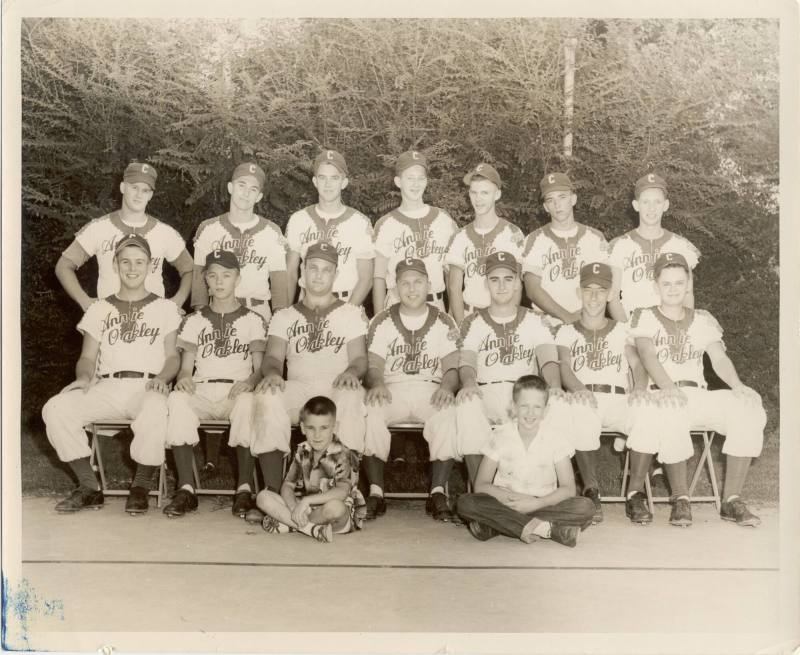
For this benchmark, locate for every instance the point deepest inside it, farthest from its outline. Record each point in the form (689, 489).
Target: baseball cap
(323, 250)
(649, 181)
(408, 159)
(249, 168)
(500, 259)
(666, 259)
(224, 258)
(139, 172)
(484, 170)
(331, 157)
(596, 273)
(410, 264)
(555, 182)
(135, 240)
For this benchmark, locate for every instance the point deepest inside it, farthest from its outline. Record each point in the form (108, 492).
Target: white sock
(188, 488)
(542, 530)
(731, 497)
(437, 490)
(630, 494)
(243, 487)
(375, 490)
(684, 496)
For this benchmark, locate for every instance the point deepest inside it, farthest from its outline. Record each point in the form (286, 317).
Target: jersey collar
(314, 315)
(650, 247)
(590, 334)
(117, 222)
(564, 243)
(323, 225)
(123, 306)
(235, 232)
(480, 240)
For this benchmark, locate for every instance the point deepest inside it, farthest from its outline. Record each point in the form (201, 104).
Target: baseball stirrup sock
(735, 474)
(83, 471)
(184, 458)
(586, 465)
(640, 464)
(245, 465)
(271, 464)
(440, 472)
(144, 476)
(676, 474)
(373, 467)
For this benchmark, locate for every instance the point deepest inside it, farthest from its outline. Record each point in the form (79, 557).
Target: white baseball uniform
(350, 232)
(500, 352)
(635, 257)
(260, 248)
(222, 345)
(557, 259)
(414, 353)
(424, 236)
(468, 250)
(99, 237)
(680, 346)
(131, 337)
(597, 358)
(316, 353)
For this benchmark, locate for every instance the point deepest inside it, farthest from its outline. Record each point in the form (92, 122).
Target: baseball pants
(209, 401)
(411, 404)
(275, 413)
(488, 510)
(66, 414)
(260, 307)
(612, 413)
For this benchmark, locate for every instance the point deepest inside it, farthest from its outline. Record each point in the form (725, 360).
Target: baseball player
(100, 237)
(414, 230)
(222, 345)
(331, 221)
(412, 377)
(554, 254)
(671, 339)
(322, 339)
(257, 243)
(595, 369)
(129, 341)
(471, 245)
(499, 345)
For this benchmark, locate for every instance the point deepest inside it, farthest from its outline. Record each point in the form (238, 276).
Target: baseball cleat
(566, 535)
(636, 509)
(436, 505)
(736, 510)
(481, 531)
(242, 503)
(182, 502)
(681, 514)
(376, 506)
(81, 498)
(138, 502)
(593, 494)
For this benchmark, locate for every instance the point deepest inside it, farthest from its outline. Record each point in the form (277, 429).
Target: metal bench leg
(649, 491)
(626, 468)
(197, 484)
(99, 458)
(162, 484)
(706, 460)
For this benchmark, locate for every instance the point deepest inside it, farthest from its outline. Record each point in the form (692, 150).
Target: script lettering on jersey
(410, 358)
(562, 262)
(475, 260)
(127, 327)
(313, 336)
(331, 234)
(243, 248)
(423, 246)
(109, 245)
(641, 265)
(595, 355)
(675, 347)
(221, 343)
(504, 350)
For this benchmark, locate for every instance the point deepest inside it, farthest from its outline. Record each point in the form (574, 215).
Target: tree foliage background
(696, 100)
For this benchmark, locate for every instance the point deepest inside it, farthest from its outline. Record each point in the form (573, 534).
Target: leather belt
(436, 295)
(128, 374)
(341, 294)
(481, 384)
(605, 388)
(679, 383)
(221, 380)
(254, 302)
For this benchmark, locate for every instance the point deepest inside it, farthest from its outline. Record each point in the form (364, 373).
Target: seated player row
(417, 366)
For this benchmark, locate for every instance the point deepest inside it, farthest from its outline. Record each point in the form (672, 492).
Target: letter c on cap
(651, 178)
(551, 179)
(479, 168)
(145, 168)
(414, 154)
(669, 256)
(409, 261)
(217, 253)
(329, 154)
(596, 269)
(501, 256)
(252, 168)
(323, 246)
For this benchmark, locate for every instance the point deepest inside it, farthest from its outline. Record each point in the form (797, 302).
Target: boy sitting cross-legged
(325, 472)
(525, 487)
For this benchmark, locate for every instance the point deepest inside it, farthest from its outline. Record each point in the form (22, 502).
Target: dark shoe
(636, 509)
(436, 505)
(81, 498)
(137, 502)
(481, 531)
(182, 502)
(593, 494)
(736, 510)
(254, 516)
(681, 514)
(242, 503)
(376, 506)
(564, 534)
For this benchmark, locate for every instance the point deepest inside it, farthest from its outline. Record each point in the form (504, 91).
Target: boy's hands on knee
(379, 395)
(300, 512)
(158, 385)
(273, 382)
(81, 383)
(185, 384)
(243, 386)
(442, 398)
(583, 397)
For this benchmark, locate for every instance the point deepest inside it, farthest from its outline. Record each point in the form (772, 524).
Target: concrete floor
(208, 572)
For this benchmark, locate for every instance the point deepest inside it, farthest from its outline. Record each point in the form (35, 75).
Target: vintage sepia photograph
(425, 329)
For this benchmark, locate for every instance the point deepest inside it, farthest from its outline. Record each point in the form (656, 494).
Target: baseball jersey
(260, 249)
(317, 339)
(596, 356)
(350, 232)
(634, 256)
(557, 259)
(398, 236)
(131, 334)
(506, 351)
(413, 354)
(223, 343)
(679, 344)
(99, 238)
(468, 250)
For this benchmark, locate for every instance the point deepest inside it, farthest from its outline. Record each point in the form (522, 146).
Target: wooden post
(569, 91)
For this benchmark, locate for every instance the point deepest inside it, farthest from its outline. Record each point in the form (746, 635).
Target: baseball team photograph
(462, 329)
